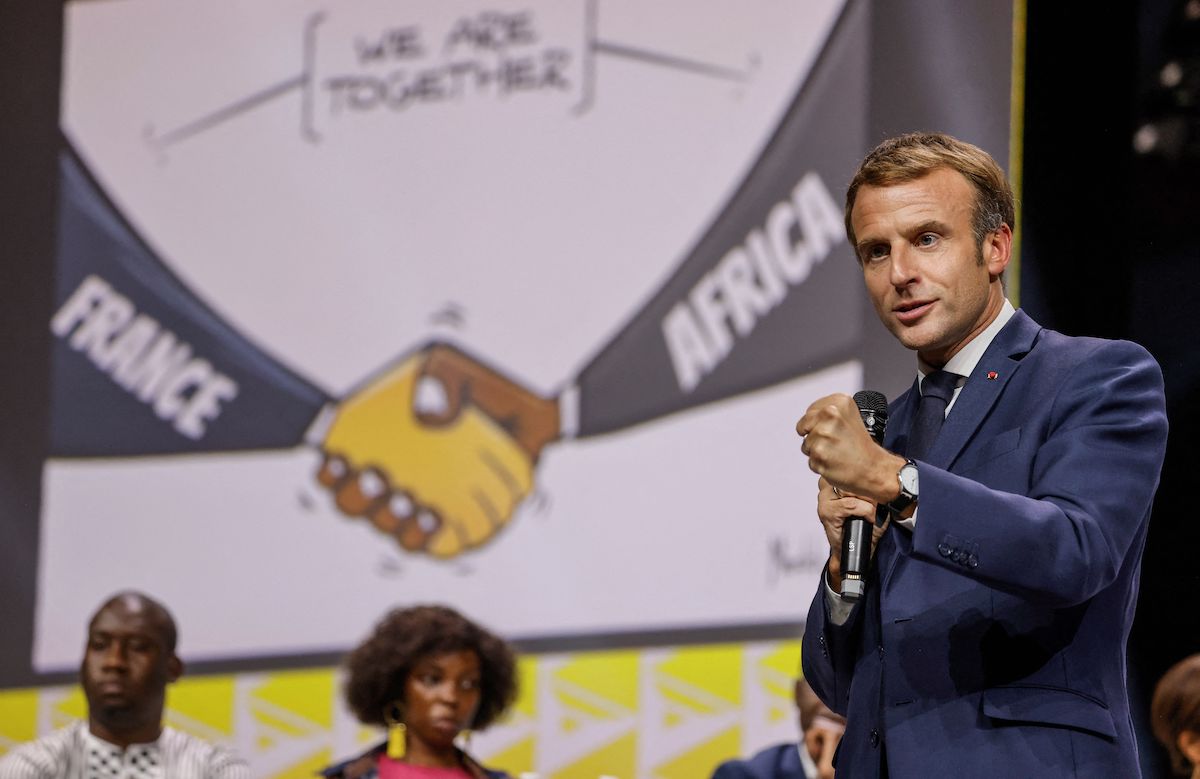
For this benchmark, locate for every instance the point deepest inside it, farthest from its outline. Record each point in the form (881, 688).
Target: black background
(1109, 248)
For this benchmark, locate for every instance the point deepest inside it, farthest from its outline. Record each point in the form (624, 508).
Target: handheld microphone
(856, 531)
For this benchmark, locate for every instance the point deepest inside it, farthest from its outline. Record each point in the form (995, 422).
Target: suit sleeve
(1065, 534)
(730, 769)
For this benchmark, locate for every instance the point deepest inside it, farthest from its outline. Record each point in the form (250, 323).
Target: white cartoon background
(540, 220)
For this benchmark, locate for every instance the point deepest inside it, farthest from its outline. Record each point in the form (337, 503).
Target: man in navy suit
(1016, 477)
(812, 758)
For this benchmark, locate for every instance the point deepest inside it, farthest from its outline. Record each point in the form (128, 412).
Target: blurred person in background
(812, 758)
(429, 675)
(1175, 715)
(127, 664)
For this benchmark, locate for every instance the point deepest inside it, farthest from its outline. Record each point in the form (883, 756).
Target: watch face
(908, 479)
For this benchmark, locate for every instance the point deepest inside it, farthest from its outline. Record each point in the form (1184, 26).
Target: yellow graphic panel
(785, 660)
(703, 758)
(602, 684)
(659, 712)
(18, 717)
(291, 716)
(691, 718)
(702, 679)
(306, 768)
(202, 705)
(71, 707)
(511, 743)
(309, 695)
(526, 703)
(777, 673)
(516, 759)
(617, 758)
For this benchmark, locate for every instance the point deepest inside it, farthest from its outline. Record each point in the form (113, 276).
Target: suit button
(874, 738)
(973, 561)
(959, 556)
(881, 652)
(943, 550)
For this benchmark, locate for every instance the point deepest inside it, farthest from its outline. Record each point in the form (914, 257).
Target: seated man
(821, 730)
(129, 660)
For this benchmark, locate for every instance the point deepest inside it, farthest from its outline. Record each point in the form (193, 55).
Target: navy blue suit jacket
(992, 639)
(781, 761)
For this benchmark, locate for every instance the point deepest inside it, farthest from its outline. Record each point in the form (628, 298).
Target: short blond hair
(908, 157)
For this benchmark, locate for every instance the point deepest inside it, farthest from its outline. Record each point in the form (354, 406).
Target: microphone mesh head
(870, 400)
(873, 407)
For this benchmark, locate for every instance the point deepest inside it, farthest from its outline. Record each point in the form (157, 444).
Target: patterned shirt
(74, 753)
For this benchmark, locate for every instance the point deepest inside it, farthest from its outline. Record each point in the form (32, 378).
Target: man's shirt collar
(965, 360)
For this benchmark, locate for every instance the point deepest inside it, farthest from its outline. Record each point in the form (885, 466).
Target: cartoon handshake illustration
(437, 451)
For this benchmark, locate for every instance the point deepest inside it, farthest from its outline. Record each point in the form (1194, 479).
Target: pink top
(390, 769)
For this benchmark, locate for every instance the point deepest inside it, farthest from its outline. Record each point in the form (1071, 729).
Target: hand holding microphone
(856, 530)
(842, 439)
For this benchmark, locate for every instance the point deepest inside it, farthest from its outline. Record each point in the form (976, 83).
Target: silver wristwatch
(909, 488)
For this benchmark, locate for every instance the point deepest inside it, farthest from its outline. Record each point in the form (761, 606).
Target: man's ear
(174, 668)
(997, 250)
(1189, 744)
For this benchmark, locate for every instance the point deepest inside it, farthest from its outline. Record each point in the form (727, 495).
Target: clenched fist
(840, 449)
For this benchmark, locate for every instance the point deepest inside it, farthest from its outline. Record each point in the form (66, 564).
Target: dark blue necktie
(936, 391)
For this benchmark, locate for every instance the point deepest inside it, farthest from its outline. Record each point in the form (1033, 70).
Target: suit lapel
(976, 399)
(896, 440)
(900, 418)
(895, 543)
(983, 388)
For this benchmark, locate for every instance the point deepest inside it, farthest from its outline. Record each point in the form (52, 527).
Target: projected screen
(507, 305)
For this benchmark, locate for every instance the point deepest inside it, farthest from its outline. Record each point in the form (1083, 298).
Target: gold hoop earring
(397, 742)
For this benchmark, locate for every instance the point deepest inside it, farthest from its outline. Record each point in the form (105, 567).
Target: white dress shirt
(74, 753)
